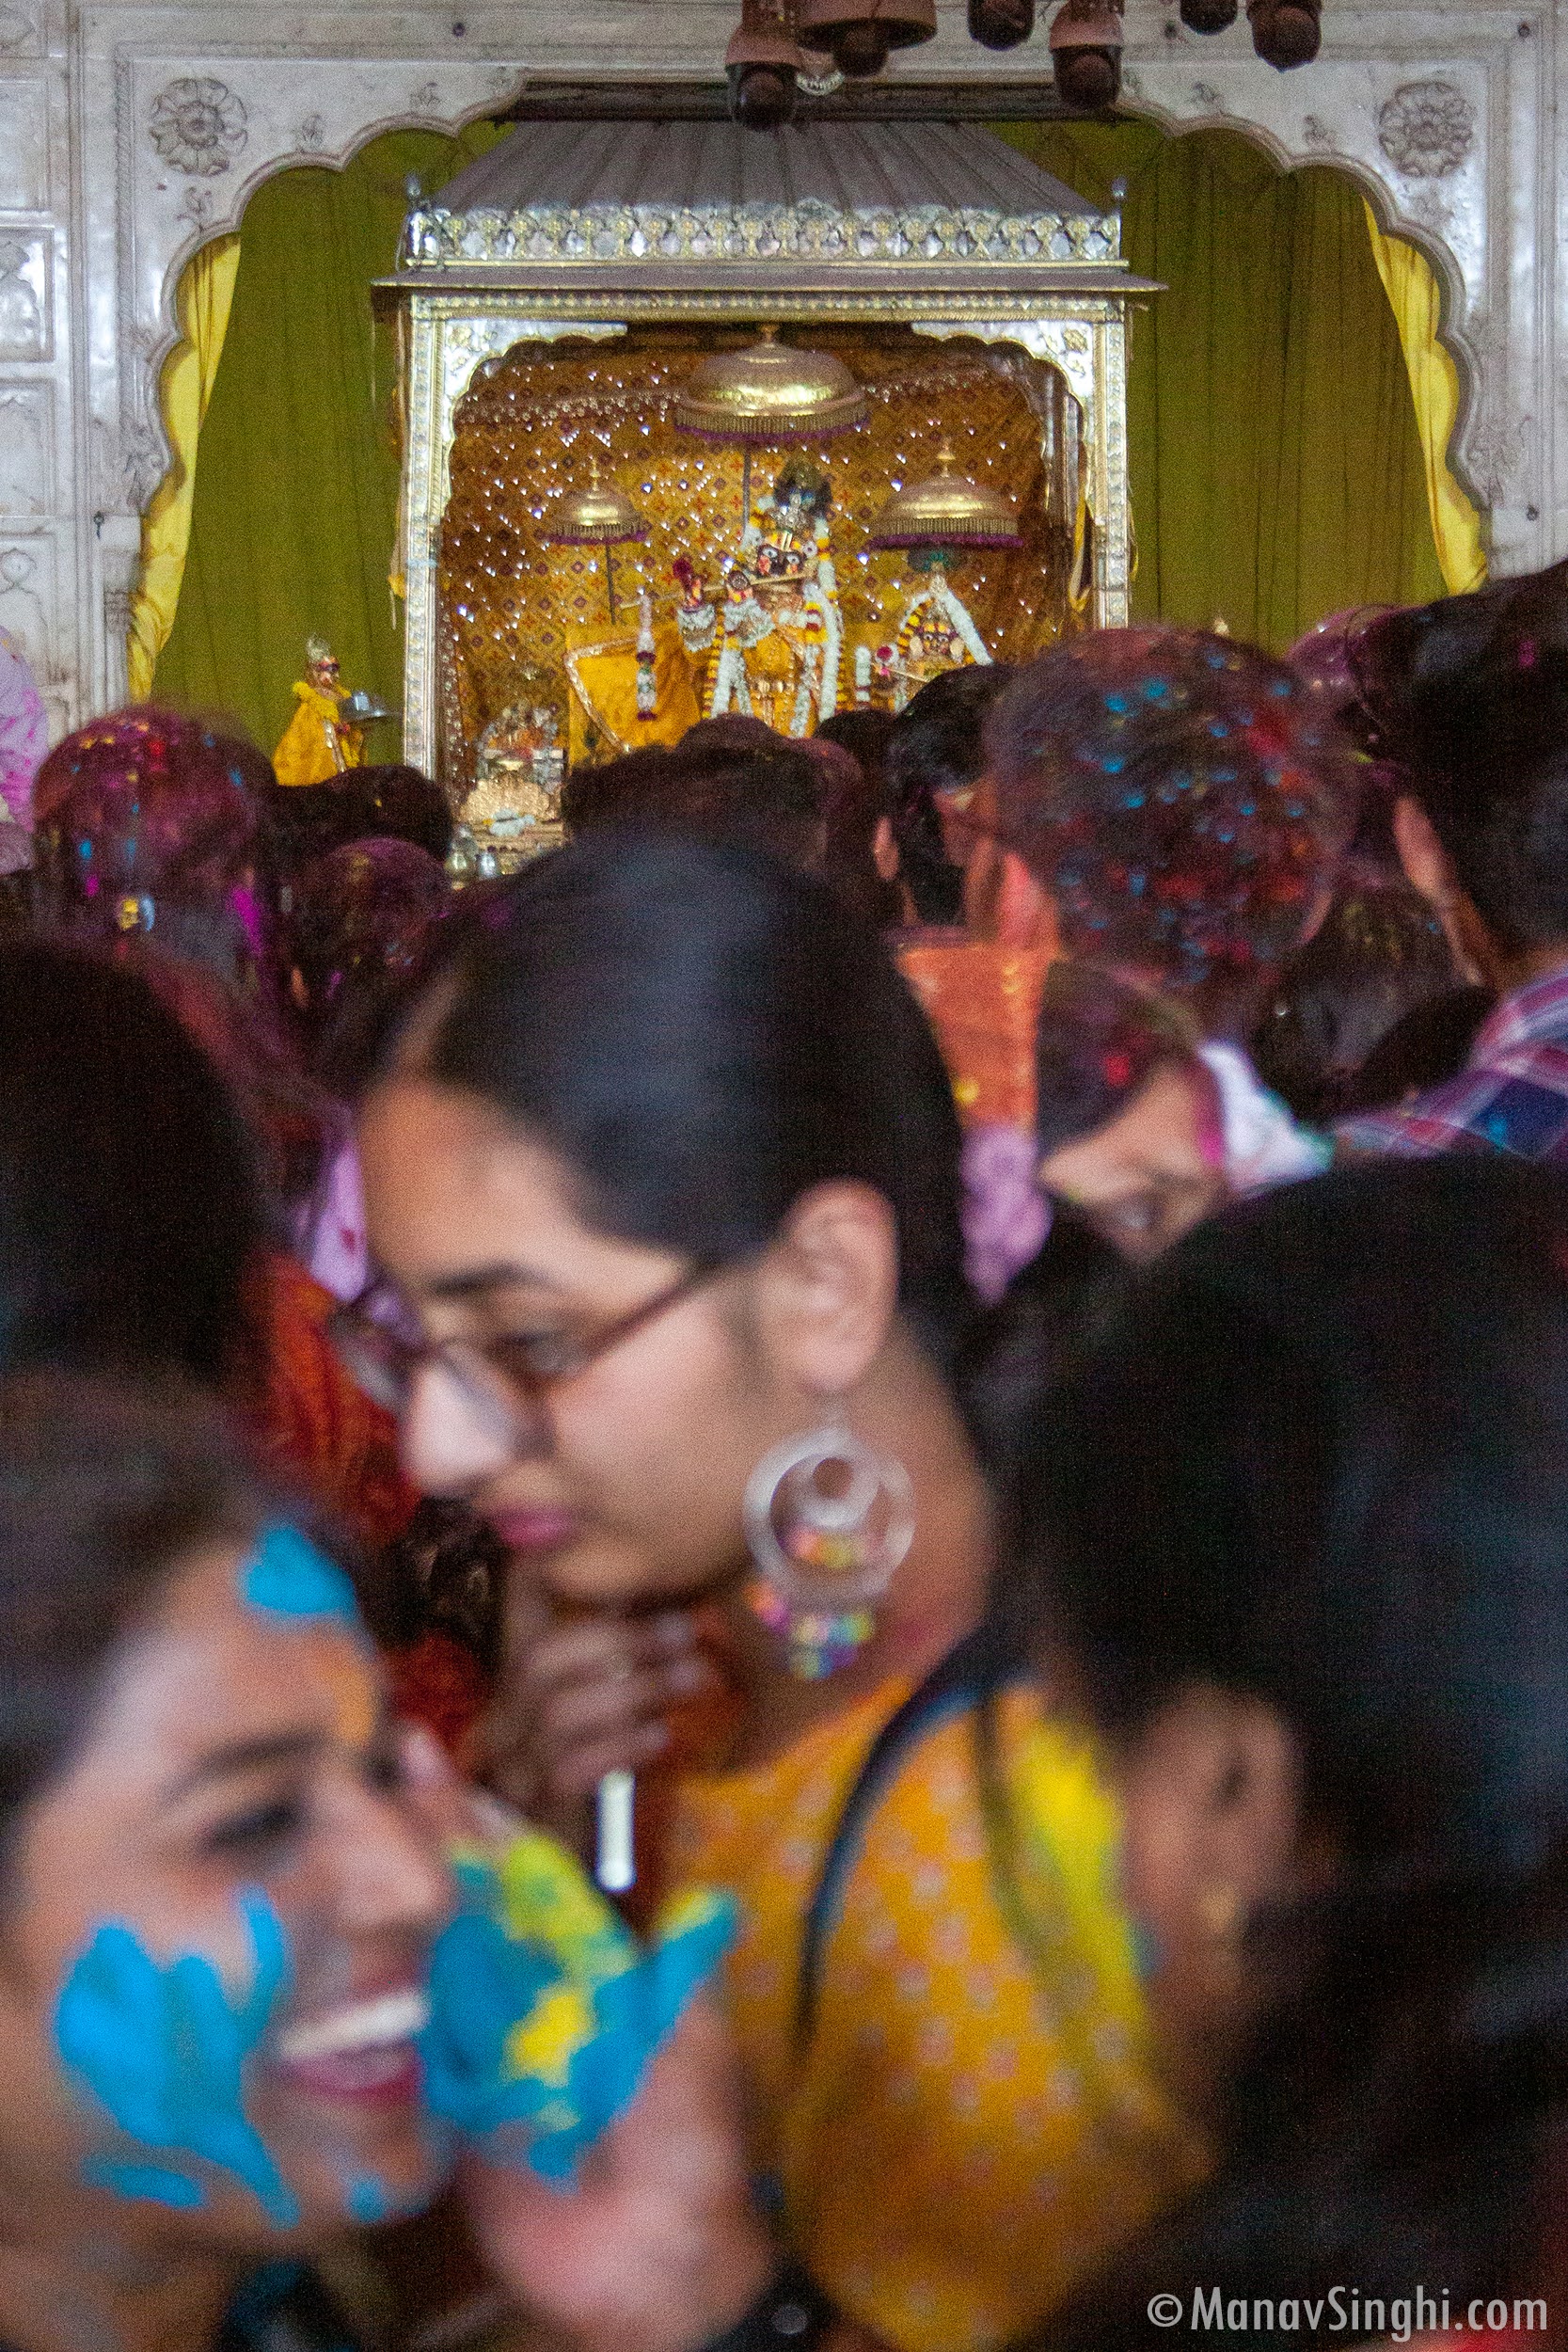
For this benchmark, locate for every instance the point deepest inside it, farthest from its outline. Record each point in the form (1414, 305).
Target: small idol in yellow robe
(316, 744)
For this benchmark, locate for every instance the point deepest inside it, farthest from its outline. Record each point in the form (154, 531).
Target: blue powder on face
(493, 1975)
(151, 2183)
(367, 2202)
(290, 1578)
(160, 2049)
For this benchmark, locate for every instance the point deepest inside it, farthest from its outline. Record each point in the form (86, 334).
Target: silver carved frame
(451, 334)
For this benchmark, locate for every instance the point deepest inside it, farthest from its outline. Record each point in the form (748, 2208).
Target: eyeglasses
(506, 1377)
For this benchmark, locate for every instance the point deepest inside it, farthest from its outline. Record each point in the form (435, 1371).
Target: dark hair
(1375, 957)
(864, 734)
(765, 794)
(146, 827)
(1431, 1044)
(293, 1123)
(130, 1210)
(1320, 1456)
(1032, 1334)
(1180, 797)
(358, 928)
(702, 1036)
(103, 1490)
(395, 802)
(937, 745)
(1471, 695)
(623, 791)
(857, 802)
(1098, 1041)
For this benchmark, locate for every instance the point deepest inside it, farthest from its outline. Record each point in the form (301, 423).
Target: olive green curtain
(296, 502)
(1276, 467)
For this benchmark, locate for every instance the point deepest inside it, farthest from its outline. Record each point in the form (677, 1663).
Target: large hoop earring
(827, 1520)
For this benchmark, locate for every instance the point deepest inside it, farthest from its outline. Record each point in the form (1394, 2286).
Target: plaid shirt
(1512, 1095)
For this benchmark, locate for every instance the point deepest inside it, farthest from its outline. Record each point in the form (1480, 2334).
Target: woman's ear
(828, 1290)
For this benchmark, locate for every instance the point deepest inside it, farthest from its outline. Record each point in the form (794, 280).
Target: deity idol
(520, 770)
(773, 644)
(318, 743)
(937, 632)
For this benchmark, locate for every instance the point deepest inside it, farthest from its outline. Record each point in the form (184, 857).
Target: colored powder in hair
(367, 2202)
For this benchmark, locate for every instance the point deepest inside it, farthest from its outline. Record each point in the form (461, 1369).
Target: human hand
(656, 2246)
(583, 1699)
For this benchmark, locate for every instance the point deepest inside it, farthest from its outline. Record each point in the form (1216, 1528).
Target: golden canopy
(769, 392)
(598, 516)
(946, 509)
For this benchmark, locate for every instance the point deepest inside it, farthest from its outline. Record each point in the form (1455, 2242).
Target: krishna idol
(771, 647)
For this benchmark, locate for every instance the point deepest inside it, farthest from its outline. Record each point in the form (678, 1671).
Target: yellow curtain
(1413, 295)
(206, 293)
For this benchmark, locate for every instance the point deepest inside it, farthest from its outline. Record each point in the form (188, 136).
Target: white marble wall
(132, 130)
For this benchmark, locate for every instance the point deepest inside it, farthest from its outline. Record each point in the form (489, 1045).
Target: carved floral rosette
(198, 125)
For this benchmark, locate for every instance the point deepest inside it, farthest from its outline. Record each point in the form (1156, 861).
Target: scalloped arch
(1453, 300)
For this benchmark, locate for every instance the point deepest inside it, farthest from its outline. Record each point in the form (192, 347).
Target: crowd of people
(942, 1354)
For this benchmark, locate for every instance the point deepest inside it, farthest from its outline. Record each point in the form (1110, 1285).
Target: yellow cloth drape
(206, 294)
(602, 675)
(1413, 295)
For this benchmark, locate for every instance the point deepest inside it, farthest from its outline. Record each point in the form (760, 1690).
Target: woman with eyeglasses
(662, 1170)
(1293, 1550)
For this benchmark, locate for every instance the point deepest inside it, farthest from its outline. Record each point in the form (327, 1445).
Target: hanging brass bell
(1001, 24)
(1284, 33)
(1085, 55)
(761, 64)
(860, 34)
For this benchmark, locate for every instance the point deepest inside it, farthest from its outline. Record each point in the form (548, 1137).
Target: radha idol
(935, 522)
(772, 647)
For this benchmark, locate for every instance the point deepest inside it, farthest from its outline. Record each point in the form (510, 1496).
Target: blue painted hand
(545, 2012)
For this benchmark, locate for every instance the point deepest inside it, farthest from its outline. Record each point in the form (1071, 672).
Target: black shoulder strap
(970, 1668)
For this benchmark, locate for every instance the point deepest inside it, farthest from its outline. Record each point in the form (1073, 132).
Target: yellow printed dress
(973, 2125)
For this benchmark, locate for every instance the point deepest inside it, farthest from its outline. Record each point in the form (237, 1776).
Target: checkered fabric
(1511, 1096)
